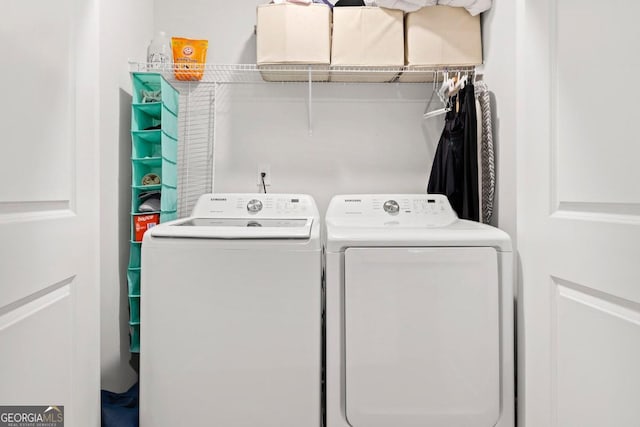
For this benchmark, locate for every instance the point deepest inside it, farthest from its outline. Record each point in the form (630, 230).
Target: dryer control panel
(388, 210)
(255, 206)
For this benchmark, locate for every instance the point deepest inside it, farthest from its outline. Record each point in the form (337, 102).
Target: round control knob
(254, 206)
(391, 206)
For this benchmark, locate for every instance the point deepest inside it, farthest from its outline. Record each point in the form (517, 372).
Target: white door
(49, 299)
(579, 213)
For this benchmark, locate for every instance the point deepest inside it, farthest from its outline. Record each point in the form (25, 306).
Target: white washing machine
(231, 315)
(419, 315)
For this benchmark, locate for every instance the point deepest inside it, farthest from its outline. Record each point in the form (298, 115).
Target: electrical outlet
(266, 169)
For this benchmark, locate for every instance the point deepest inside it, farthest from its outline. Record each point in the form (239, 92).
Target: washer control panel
(409, 210)
(254, 205)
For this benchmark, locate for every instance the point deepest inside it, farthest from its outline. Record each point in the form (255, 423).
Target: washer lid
(236, 228)
(245, 216)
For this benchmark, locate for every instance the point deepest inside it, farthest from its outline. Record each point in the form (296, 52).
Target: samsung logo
(353, 200)
(215, 199)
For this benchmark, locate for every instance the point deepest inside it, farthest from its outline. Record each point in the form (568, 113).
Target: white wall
(366, 139)
(125, 30)
(228, 25)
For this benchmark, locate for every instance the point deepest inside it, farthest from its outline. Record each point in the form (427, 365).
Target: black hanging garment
(455, 165)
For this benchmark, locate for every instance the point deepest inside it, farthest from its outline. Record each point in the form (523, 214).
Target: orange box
(142, 223)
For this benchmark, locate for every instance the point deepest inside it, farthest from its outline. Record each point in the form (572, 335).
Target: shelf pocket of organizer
(152, 171)
(146, 171)
(168, 198)
(146, 116)
(134, 309)
(146, 143)
(143, 84)
(136, 201)
(134, 255)
(170, 97)
(134, 331)
(168, 216)
(169, 122)
(169, 150)
(154, 116)
(133, 281)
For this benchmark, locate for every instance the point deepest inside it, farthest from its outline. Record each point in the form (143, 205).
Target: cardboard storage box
(367, 37)
(442, 36)
(291, 35)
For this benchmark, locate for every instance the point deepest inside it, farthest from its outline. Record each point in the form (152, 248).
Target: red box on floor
(142, 223)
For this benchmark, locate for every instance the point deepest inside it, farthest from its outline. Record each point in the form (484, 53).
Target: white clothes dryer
(231, 329)
(419, 315)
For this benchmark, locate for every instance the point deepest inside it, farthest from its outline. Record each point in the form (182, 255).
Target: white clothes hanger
(446, 84)
(460, 84)
(433, 92)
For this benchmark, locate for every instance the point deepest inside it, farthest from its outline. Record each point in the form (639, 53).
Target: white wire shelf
(200, 102)
(251, 73)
